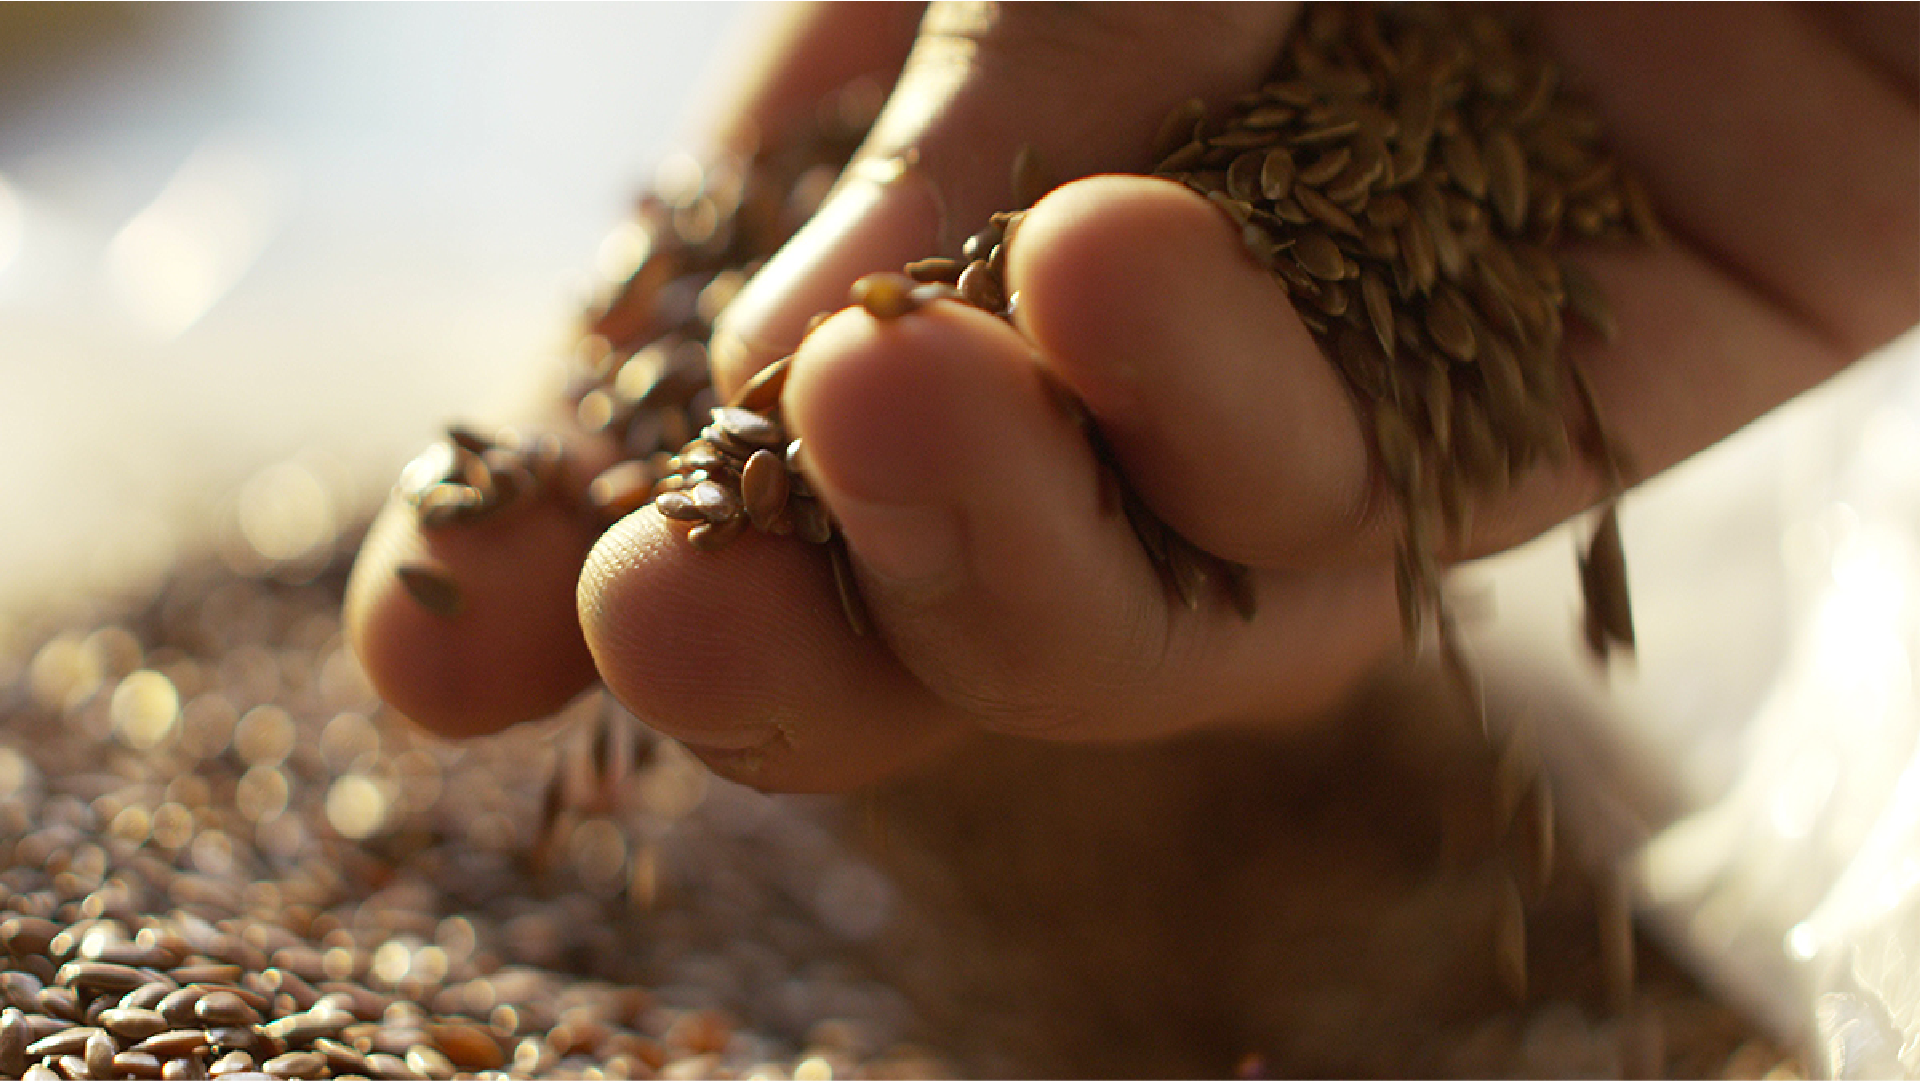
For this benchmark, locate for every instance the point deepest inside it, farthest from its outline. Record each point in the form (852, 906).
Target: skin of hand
(1778, 141)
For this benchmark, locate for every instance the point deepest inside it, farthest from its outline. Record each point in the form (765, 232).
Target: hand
(1778, 142)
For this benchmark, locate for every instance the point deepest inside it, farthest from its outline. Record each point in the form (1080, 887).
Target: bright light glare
(174, 260)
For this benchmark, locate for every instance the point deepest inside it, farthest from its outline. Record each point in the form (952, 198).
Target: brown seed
(232, 1062)
(1320, 256)
(1380, 309)
(295, 1064)
(25, 935)
(100, 1050)
(132, 1025)
(811, 521)
(1326, 167)
(621, 489)
(177, 1006)
(713, 536)
(98, 977)
(883, 295)
(750, 428)
(224, 1008)
(174, 1043)
(1506, 178)
(69, 1041)
(764, 488)
(1177, 128)
(132, 1064)
(388, 1067)
(433, 588)
(1604, 587)
(761, 393)
(938, 268)
(715, 502)
(981, 287)
(1464, 165)
(678, 506)
(1450, 325)
(1320, 209)
(13, 1042)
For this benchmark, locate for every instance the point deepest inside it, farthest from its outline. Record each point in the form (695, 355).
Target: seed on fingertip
(434, 588)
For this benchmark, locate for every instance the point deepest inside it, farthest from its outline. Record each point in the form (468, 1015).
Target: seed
(885, 296)
(130, 1064)
(1610, 620)
(678, 506)
(1320, 209)
(101, 977)
(749, 428)
(1507, 178)
(295, 1064)
(764, 489)
(177, 1008)
(70, 1041)
(1326, 167)
(981, 287)
(712, 536)
(1320, 256)
(621, 489)
(1380, 310)
(1451, 326)
(433, 588)
(100, 1050)
(224, 1008)
(133, 1025)
(174, 1043)
(1464, 165)
(715, 503)
(936, 268)
(1277, 173)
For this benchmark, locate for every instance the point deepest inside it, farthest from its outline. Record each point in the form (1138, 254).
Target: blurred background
(235, 236)
(253, 256)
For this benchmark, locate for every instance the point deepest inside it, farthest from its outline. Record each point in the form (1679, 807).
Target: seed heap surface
(221, 856)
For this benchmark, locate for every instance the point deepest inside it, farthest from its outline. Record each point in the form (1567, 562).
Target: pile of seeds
(220, 855)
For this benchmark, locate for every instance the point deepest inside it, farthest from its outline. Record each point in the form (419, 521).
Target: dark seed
(678, 506)
(764, 488)
(883, 295)
(225, 1008)
(433, 588)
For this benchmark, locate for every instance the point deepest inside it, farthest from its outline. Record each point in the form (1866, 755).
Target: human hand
(1779, 144)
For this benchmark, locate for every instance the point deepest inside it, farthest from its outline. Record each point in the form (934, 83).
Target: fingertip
(743, 655)
(466, 631)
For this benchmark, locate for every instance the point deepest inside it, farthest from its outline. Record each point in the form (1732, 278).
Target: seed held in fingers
(433, 588)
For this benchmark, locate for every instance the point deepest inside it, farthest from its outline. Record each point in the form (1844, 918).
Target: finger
(983, 81)
(498, 642)
(743, 655)
(1804, 183)
(1233, 427)
(1219, 404)
(1003, 576)
(513, 651)
(806, 53)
